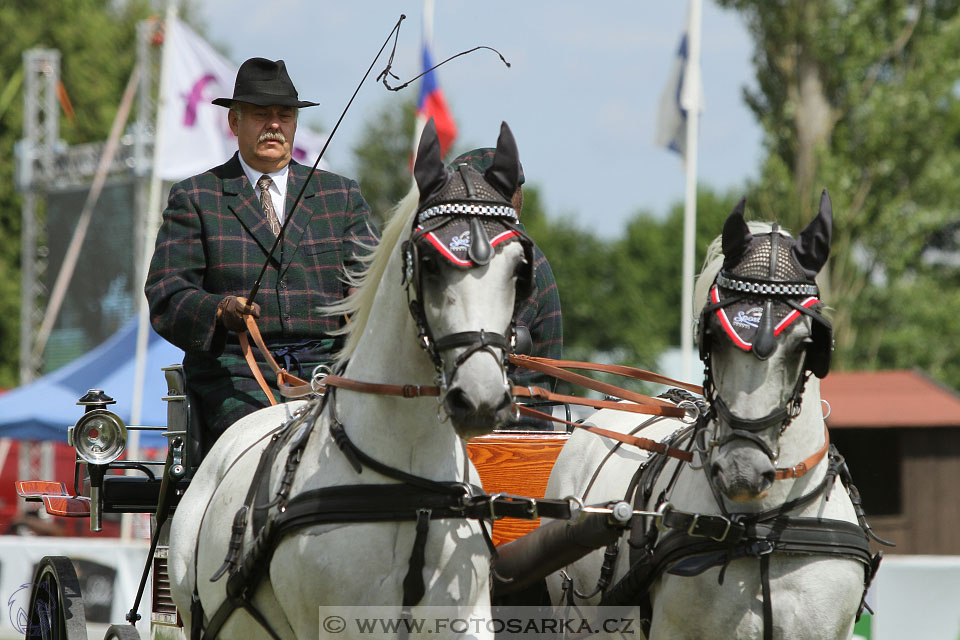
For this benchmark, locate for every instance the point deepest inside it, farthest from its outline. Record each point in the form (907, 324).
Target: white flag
(195, 132)
(682, 93)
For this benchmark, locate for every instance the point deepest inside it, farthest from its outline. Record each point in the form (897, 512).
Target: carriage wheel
(122, 632)
(56, 605)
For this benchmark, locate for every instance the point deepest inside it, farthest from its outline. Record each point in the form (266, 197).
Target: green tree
(96, 39)
(382, 156)
(621, 298)
(860, 98)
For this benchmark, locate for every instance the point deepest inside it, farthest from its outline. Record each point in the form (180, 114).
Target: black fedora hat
(264, 82)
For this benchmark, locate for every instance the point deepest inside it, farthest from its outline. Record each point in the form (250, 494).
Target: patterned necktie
(266, 201)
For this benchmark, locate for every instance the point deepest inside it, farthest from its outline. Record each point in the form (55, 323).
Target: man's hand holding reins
(231, 312)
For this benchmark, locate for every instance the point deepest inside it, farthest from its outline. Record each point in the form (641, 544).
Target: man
(215, 237)
(540, 311)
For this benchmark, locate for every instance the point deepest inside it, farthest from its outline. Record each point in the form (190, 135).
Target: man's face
(264, 135)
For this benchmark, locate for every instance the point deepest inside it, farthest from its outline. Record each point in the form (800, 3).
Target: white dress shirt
(277, 191)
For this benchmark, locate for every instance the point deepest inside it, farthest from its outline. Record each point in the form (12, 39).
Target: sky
(581, 96)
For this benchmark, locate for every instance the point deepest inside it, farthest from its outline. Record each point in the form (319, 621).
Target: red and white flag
(195, 132)
(432, 102)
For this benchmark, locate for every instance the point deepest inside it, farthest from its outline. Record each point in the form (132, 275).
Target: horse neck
(402, 432)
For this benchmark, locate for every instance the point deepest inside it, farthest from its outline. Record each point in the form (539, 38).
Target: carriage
(515, 462)
(452, 321)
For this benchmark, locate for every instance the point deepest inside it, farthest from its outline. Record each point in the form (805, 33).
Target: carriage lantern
(99, 438)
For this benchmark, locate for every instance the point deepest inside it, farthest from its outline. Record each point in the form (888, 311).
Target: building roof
(899, 398)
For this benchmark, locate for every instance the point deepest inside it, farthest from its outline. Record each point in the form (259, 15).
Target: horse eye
(430, 266)
(520, 268)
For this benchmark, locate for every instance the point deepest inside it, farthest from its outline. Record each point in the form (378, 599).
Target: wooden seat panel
(518, 463)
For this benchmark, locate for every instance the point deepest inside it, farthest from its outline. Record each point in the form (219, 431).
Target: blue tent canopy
(43, 409)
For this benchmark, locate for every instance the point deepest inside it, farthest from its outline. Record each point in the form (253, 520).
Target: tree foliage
(621, 297)
(96, 40)
(382, 157)
(860, 97)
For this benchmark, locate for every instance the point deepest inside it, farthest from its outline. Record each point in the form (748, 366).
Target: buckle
(577, 509)
(720, 538)
(507, 498)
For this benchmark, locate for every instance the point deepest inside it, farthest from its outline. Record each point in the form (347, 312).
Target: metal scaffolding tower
(45, 164)
(41, 136)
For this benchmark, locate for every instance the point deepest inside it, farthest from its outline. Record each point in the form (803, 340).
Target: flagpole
(153, 214)
(150, 225)
(690, 101)
(426, 40)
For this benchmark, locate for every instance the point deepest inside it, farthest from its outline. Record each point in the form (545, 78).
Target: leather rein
(291, 386)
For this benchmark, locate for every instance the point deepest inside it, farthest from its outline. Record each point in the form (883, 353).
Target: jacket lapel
(238, 196)
(300, 218)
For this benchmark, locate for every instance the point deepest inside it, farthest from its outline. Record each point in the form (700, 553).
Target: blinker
(764, 344)
(480, 250)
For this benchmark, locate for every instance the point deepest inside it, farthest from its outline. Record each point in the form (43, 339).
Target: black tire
(56, 604)
(122, 632)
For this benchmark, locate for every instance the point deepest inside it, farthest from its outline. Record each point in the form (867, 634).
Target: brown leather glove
(231, 312)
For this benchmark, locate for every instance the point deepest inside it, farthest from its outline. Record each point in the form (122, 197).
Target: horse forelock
(358, 305)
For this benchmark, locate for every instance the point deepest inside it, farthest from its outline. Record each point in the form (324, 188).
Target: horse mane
(714, 260)
(358, 305)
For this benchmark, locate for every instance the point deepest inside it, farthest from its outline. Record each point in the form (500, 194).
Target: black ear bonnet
(465, 215)
(766, 283)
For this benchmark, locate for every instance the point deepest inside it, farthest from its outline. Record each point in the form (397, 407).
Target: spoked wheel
(122, 632)
(56, 605)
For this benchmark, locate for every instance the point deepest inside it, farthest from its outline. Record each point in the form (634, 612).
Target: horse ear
(428, 170)
(812, 248)
(504, 174)
(736, 236)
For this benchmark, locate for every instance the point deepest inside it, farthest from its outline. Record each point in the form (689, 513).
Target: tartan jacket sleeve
(181, 310)
(540, 312)
(214, 240)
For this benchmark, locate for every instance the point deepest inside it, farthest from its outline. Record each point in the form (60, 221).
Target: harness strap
(551, 366)
(767, 603)
(694, 554)
(801, 468)
(289, 385)
(251, 361)
(641, 443)
(539, 393)
(413, 587)
(401, 390)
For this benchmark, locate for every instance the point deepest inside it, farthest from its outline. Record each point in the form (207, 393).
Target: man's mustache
(275, 136)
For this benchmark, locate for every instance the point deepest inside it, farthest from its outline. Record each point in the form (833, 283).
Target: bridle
(480, 252)
(774, 296)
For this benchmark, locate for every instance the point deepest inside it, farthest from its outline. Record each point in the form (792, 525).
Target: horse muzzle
(742, 473)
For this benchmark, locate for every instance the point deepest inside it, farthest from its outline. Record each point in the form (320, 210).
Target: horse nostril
(458, 402)
(767, 478)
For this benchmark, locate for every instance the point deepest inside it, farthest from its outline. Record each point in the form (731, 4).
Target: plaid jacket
(213, 241)
(540, 312)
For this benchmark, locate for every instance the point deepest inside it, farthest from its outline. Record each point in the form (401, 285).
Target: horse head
(466, 263)
(761, 334)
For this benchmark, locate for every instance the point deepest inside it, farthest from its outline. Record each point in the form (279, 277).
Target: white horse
(764, 413)
(346, 563)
